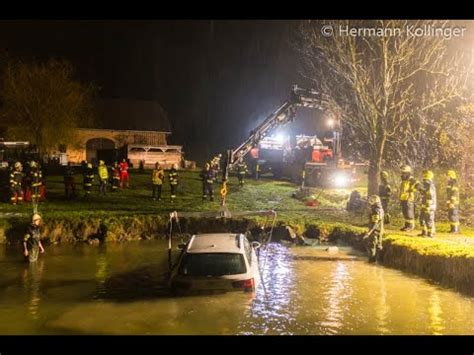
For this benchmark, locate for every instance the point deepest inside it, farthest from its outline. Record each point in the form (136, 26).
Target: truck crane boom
(285, 113)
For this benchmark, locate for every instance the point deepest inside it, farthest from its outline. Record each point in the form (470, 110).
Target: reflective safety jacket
(385, 190)
(452, 191)
(208, 176)
(88, 177)
(35, 177)
(173, 177)
(103, 172)
(407, 189)
(241, 168)
(157, 176)
(376, 216)
(15, 178)
(428, 196)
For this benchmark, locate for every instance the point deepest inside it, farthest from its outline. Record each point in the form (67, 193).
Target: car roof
(215, 243)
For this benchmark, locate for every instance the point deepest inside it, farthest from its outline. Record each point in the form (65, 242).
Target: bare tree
(42, 102)
(384, 86)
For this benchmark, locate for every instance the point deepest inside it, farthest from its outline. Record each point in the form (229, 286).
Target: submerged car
(216, 262)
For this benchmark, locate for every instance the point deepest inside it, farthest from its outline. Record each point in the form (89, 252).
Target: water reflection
(380, 303)
(305, 294)
(435, 314)
(273, 306)
(102, 268)
(338, 290)
(32, 275)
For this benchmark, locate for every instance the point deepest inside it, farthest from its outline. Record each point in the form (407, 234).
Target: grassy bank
(132, 214)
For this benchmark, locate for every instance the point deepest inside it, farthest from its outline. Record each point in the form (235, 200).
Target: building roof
(215, 243)
(126, 114)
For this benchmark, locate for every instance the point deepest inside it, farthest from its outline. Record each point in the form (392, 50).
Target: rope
(223, 192)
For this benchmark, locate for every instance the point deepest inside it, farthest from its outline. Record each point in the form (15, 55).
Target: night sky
(215, 79)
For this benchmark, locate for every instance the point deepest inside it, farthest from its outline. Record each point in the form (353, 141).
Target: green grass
(255, 195)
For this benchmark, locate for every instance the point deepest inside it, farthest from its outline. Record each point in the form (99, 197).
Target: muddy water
(120, 289)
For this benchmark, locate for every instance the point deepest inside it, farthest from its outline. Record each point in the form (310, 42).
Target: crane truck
(305, 159)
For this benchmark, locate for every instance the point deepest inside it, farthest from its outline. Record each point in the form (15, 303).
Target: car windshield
(212, 264)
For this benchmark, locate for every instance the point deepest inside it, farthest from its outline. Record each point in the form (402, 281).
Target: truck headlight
(340, 180)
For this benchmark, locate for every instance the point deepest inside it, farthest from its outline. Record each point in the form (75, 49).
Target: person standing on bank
(103, 177)
(385, 192)
(32, 241)
(157, 178)
(452, 190)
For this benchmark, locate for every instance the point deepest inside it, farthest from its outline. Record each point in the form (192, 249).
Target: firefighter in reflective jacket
(241, 171)
(157, 178)
(452, 190)
(103, 177)
(88, 179)
(208, 177)
(407, 198)
(375, 234)
(173, 178)
(385, 192)
(115, 177)
(428, 204)
(36, 180)
(216, 165)
(16, 177)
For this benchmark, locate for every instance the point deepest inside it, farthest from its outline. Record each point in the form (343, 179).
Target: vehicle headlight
(340, 180)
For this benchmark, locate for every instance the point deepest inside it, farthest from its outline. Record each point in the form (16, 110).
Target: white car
(216, 262)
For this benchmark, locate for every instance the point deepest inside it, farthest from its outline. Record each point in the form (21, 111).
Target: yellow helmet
(18, 165)
(35, 217)
(33, 164)
(384, 174)
(101, 162)
(406, 169)
(428, 175)
(89, 165)
(374, 200)
(452, 174)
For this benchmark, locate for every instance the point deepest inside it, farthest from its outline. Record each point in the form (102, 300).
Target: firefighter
(428, 204)
(36, 178)
(32, 241)
(123, 173)
(216, 165)
(103, 173)
(88, 179)
(157, 178)
(208, 178)
(115, 177)
(173, 179)
(452, 190)
(241, 171)
(385, 192)
(257, 171)
(407, 198)
(375, 234)
(16, 177)
(69, 181)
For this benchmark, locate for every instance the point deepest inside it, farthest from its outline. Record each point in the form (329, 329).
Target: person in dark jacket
(375, 234)
(32, 241)
(69, 181)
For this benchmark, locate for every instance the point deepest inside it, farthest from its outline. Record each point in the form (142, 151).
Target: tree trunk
(376, 166)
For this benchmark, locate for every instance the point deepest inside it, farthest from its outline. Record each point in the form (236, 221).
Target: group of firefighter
(26, 183)
(211, 171)
(409, 187)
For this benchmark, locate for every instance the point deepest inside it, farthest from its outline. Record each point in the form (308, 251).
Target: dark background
(215, 79)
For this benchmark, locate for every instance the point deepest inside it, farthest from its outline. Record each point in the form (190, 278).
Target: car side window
(248, 250)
